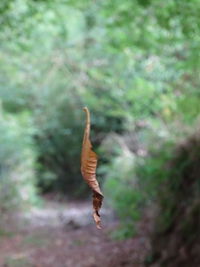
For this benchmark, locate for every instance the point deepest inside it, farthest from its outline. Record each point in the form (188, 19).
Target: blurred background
(135, 65)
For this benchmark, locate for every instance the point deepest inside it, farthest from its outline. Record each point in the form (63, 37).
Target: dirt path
(65, 236)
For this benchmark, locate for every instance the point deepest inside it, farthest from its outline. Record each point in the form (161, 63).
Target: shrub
(17, 186)
(121, 186)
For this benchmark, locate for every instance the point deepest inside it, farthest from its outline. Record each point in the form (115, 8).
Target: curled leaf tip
(88, 170)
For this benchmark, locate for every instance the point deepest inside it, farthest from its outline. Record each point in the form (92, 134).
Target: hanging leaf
(88, 170)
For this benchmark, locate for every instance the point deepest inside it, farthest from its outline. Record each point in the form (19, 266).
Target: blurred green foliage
(135, 64)
(17, 159)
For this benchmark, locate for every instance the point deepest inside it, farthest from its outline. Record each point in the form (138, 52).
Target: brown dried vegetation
(88, 170)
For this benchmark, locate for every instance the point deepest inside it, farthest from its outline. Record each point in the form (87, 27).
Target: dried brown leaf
(88, 170)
